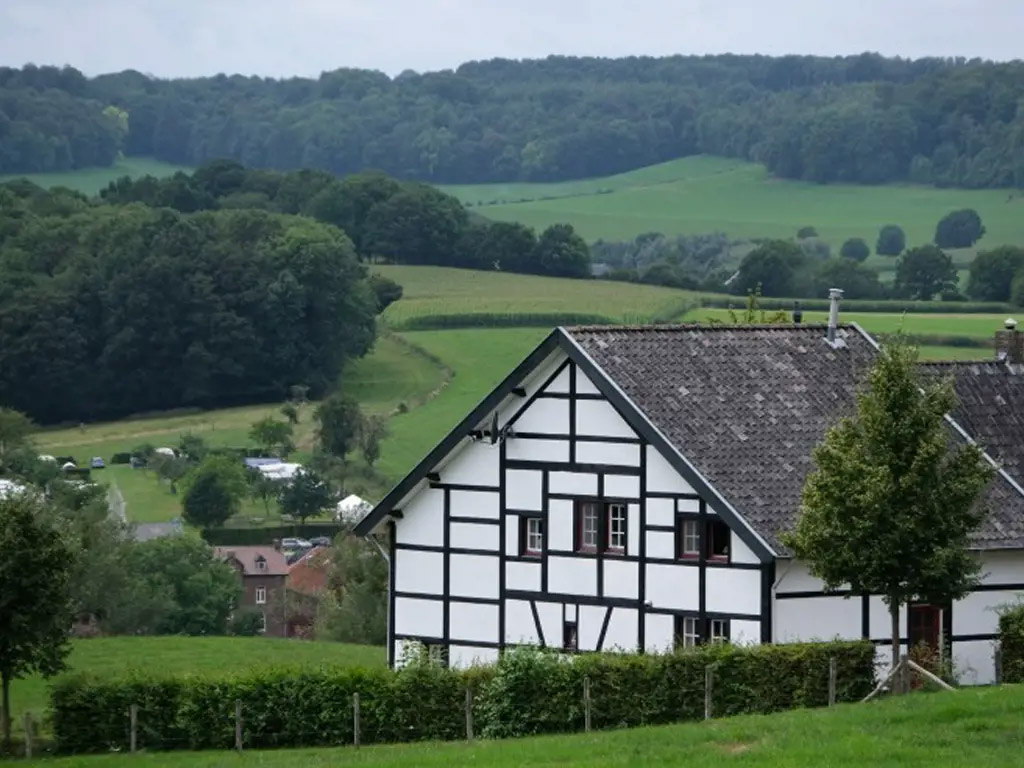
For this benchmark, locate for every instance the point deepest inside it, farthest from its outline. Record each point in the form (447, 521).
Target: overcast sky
(171, 38)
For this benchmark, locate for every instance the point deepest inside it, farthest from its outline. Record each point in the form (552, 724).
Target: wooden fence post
(238, 725)
(355, 719)
(133, 727)
(469, 713)
(832, 674)
(998, 661)
(709, 684)
(586, 704)
(28, 734)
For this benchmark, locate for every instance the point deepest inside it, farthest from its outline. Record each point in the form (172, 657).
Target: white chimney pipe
(834, 295)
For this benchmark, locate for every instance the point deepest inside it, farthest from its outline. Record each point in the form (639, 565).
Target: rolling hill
(91, 180)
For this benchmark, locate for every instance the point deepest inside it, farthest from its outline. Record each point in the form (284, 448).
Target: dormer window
(261, 564)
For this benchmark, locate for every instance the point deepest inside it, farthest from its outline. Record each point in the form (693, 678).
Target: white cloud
(305, 37)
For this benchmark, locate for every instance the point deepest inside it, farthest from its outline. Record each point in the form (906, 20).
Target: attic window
(261, 564)
(717, 540)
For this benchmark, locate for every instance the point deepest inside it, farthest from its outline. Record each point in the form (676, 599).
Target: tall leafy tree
(891, 241)
(213, 492)
(15, 428)
(273, 436)
(37, 561)
(338, 420)
(992, 273)
(890, 504)
(561, 252)
(770, 268)
(305, 495)
(358, 583)
(959, 229)
(923, 272)
(855, 249)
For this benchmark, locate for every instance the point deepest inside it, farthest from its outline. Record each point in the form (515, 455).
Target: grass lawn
(92, 180)
(448, 291)
(707, 194)
(964, 729)
(117, 656)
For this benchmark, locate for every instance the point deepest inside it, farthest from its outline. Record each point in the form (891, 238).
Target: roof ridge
(694, 326)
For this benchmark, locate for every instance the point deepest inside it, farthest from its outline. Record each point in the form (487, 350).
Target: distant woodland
(861, 118)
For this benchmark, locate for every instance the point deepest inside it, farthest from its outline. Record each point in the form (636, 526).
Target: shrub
(121, 458)
(891, 241)
(528, 691)
(238, 537)
(499, 320)
(1011, 642)
(855, 248)
(959, 229)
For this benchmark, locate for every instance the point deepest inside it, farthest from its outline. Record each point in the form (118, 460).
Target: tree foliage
(272, 436)
(773, 268)
(891, 241)
(36, 565)
(213, 492)
(923, 272)
(305, 495)
(890, 504)
(959, 229)
(992, 273)
(855, 249)
(357, 581)
(338, 420)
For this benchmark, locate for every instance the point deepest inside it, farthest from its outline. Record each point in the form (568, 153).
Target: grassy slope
(447, 291)
(706, 194)
(92, 180)
(114, 656)
(965, 729)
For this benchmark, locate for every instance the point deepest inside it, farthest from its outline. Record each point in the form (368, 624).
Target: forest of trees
(859, 118)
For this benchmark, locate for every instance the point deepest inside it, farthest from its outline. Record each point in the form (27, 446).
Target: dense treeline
(857, 118)
(387, 220)
(107, 310)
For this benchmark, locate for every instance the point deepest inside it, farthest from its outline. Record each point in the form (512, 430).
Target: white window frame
(534, 539)
(718, 631)
(690, 635)
(262, 629)
(689, 537)
(261, 564)
(261, 595)
(618, 524)
(590, 512)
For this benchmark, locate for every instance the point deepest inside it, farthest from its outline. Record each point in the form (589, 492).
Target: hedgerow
(1011, 643)
(499, 320)
(866, 305)
(528, 691)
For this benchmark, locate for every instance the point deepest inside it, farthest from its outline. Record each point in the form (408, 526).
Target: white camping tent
(352, 508)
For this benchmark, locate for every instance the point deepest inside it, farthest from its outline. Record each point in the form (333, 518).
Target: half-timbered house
(627, 487)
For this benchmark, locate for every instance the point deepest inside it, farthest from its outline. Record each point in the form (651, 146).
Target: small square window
(689, 537)
(589, 517)
(261, 595)
(617, 527)
(533, 536)
(261, 564)
(687, 634)
(717, 540)
(569, 636)
(718, 631)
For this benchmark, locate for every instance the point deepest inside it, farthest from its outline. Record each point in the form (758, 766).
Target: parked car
(96, 462)
(294, 543)
(321, 541)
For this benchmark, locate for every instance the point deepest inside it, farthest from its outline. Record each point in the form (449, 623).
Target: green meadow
(92, 180)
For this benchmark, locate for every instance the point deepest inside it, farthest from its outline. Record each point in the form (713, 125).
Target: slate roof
(247, 557)
(745, 405)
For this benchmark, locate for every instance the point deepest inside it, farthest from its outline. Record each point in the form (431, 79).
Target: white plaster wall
(560, 524)
(530, 449)
(580, 483)
(473, 621)
(733, 590)
(974, 661)
(572, 575)
(474, 536)
(513, 404)
(524, 576)
(462, 656)
(519, 624)
(424, 618)
(622, 486)
(673, 586)
(878, 617)
(544, 415)
(523, 489)
(584, 386)
(658, 629)
(621, 579)
(793, 576)
(817, 618)
(473, 576)
(599, 418)
(633, 530)
(560, 384)
(743, 632)
(485, 504)
(422, 519)
(978, 613)
(512, 535)
(661, 477)
(1002, 567)
(474, 463)
(624, 454)
(661, 544)
(660, 511)
(588, 627)
(739, 552)
(623, 630)
(550, 615)
(690, 505)
(570, 612)
(419, 572)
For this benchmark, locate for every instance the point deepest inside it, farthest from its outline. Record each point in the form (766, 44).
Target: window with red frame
(601, 527)
(532, 536)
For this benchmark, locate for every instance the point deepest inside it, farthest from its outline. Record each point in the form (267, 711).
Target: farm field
(119, 656)
(706, 194)
(92, 180)
(965, 729)
(448, 291)
(392, 373)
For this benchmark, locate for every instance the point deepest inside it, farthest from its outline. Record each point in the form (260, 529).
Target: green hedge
(528, 691)
(239, 537)
(1011, 643)
(500, 320)
(867, 305)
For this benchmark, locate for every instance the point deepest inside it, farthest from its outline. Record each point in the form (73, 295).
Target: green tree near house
(273, 436)
(36, 603)
(305, 495)
(213, 492)
(890, 505)
(338, 421)
(923, 272)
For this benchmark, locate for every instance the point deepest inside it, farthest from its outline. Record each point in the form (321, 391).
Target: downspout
(380, 549)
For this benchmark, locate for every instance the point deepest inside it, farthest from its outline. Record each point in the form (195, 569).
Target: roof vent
(834, 295)
(1010, 324)
(798, 315)
(1010, 343)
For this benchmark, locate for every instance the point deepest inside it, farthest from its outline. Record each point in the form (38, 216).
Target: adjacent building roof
(308, 574)
(249, 558)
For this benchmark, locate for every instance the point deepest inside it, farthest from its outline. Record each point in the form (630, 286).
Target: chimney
(277, 545)
(834, 295)
(1010, 343)
(798, 315)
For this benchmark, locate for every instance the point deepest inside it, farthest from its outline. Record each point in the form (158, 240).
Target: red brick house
(307, 587)
(263, 572)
